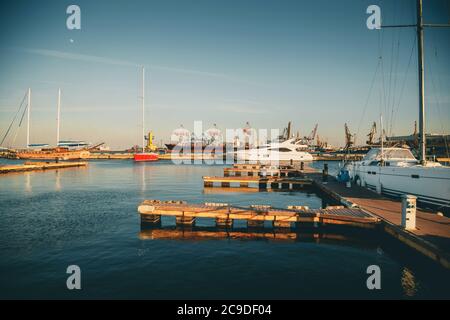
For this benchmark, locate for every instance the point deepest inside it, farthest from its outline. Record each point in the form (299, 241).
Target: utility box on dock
(409, 212)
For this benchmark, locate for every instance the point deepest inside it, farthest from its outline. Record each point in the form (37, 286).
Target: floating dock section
(36, 166)
(255, 216)
(284, 177)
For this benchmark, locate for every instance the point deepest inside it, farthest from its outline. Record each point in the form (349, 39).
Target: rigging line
(392, 61)
(380, 48)
(438, 100)
(368, 96)
(20, 124)
(404, 79)
(392, 105)
(14, 119)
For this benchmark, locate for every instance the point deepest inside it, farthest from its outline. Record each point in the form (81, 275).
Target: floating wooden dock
(35, 166)
(284, 177)
(431, 236)
(261, 182)
(255, 216)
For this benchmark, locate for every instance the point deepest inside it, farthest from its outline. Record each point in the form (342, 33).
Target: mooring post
(409, 212)
(325, 172)
(302, 166)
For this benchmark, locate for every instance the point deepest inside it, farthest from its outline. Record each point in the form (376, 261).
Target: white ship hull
(246, 155)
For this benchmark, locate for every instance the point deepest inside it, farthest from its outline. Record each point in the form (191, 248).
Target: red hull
(146, 157)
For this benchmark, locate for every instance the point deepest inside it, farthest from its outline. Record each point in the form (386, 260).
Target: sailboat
(43, 151)
(144, 156)
(395, 171)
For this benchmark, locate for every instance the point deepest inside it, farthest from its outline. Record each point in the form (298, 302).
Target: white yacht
(395, 171)
(276, 151)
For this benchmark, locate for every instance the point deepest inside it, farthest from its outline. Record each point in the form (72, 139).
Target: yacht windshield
(403, 154)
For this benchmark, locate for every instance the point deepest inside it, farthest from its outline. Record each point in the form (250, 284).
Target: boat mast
(28, 117)
(422, 135)
(143, 109)
(420, 55)
(58, 114)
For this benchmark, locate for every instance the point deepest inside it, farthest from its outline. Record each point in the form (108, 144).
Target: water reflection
(57, 181)
(347, 237)
(28, 187)
(409, 283)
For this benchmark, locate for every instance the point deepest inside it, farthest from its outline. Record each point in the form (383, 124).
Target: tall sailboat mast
(143, 109)
(144, 156)
(420, 55)
(28, 117)
(58, 114)
(422, 135)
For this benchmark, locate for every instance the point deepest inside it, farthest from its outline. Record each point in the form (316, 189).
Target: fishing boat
(395, 171)
(144, 156)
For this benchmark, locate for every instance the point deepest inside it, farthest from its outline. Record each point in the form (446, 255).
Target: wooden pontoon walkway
(34, 166)
(431, 236)
(224, 214)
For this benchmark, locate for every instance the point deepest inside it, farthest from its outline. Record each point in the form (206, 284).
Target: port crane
(349, 138)
(310, 139)
(372, 134)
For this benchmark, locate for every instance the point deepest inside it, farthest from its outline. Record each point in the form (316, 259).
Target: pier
(255, 215)
(431, 236)
(37, 166)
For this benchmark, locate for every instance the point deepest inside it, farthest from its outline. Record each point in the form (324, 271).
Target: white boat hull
(430, 184)
(245, 155)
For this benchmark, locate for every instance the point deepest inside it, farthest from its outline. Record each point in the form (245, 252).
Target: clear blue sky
(224, 62)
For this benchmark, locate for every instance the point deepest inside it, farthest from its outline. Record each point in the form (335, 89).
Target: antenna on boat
(419, 27)
(28, 117)
(58, 115)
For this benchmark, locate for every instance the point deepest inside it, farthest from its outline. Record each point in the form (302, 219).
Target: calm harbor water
(88, 217)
